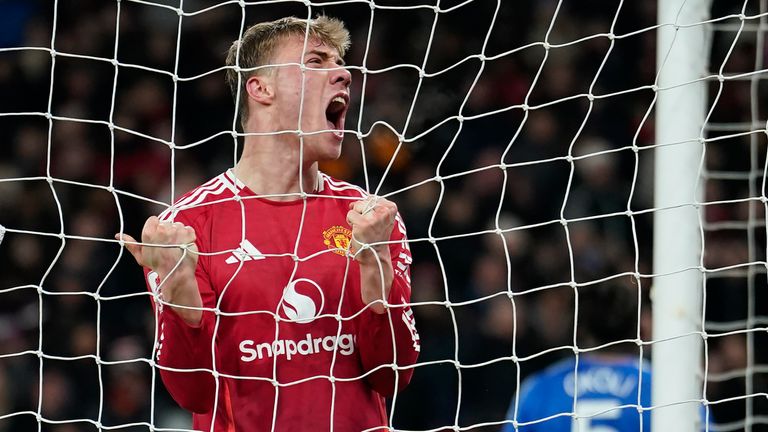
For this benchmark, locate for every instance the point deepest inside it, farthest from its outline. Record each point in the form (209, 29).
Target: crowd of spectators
(43, 278)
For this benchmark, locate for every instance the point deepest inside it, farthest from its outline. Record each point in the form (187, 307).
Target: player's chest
(283, 260)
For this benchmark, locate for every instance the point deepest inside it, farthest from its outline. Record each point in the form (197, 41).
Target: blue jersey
(607, 397)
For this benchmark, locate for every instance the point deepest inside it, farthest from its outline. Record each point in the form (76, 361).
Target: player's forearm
(376, 277)
(387, 339)
(181, 293)
(185, 356)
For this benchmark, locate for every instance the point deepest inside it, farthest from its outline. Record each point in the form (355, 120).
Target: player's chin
(332, 144)
(325, 146)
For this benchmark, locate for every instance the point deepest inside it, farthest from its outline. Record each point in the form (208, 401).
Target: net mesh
(519, 150)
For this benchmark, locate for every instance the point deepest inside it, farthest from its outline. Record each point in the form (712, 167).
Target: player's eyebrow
(325, 56)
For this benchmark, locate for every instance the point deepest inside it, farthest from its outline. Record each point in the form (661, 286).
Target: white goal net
(518, 139)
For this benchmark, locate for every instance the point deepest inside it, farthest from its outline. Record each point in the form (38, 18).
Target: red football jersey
(285, 342)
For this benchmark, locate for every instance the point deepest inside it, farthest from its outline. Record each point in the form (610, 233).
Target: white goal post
(696, 77)
(682, 61)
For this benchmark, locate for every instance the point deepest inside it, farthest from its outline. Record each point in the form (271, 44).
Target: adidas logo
(246, 252)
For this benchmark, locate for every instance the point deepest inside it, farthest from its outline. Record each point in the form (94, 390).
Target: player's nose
(342, 75)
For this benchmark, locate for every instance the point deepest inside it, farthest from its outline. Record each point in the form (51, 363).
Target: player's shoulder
(545, 378)
(198, 200)
(626, 363)
(330, 186)
(559, 368)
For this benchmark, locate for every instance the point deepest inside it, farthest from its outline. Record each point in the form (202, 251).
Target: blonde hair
(259, 41)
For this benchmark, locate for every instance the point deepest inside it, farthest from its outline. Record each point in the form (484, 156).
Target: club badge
(337, 238)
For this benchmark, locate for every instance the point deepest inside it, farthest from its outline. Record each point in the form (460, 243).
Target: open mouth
(334, 114)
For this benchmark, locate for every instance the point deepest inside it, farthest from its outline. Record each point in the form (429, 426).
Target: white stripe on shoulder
(166, 214)
(234, 183)
(344, 186)
(213, 187)
(201, 198)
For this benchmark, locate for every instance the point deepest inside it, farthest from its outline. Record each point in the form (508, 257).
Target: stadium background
(474, 266)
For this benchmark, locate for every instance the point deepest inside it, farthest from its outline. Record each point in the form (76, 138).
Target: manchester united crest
(337, 237)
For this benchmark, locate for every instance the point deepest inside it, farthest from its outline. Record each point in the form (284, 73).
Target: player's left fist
(372, 221)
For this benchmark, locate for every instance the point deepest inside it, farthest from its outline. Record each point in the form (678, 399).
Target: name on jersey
(344, 344)
(601, 380)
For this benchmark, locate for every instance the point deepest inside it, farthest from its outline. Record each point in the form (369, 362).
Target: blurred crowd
(508, 291)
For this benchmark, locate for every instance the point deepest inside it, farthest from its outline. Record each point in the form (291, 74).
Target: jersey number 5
(592, 410)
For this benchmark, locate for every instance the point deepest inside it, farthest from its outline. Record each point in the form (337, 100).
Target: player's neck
(268, 169)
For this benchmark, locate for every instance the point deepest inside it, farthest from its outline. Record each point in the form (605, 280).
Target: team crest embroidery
(337, 237)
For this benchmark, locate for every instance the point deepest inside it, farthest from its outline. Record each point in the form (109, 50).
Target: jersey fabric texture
(607, 398)
(290, 340)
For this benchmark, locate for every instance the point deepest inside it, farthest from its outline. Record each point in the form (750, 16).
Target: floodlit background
(86, 93)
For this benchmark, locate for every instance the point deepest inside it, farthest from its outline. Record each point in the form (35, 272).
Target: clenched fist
(162, 250)
(372, 221)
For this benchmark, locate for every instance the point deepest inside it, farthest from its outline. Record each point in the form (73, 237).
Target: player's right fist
(161, 259)
(168, 248)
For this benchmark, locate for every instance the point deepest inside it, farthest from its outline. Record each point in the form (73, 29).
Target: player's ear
(260, 89)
